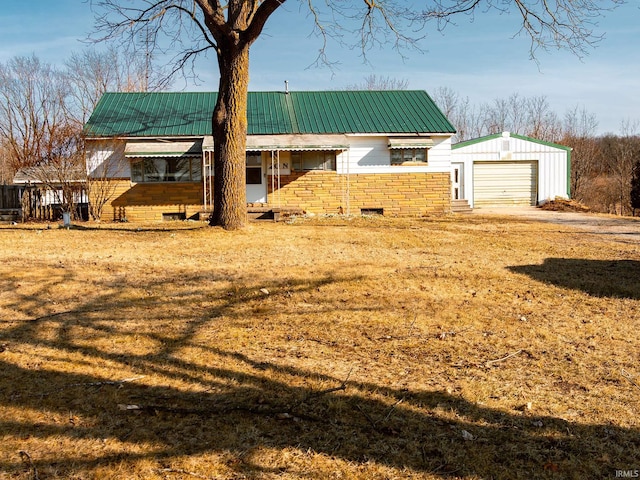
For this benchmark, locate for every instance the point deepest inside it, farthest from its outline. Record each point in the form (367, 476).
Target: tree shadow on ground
(242, 405)
(259, 413)
(599, 278)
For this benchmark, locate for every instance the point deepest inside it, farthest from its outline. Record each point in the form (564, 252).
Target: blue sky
(479, 60)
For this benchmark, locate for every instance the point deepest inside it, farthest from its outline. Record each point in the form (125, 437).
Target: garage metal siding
(503, 184)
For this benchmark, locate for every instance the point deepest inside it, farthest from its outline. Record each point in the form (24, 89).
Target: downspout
(569, 172)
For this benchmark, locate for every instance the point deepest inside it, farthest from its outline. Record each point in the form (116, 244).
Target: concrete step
(460, 206)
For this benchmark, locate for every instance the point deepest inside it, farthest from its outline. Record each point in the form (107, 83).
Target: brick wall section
(147, 202)
(401, 194)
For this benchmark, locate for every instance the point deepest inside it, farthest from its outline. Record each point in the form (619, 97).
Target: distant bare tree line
(530, 116)
(602, 166)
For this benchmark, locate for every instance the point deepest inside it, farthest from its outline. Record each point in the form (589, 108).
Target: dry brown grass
(456, 347)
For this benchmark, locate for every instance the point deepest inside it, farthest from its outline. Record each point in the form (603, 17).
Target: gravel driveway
(625, 228)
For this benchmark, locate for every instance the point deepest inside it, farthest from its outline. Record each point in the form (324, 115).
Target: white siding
(105, 159)
(552, 163)
(371, 154)
(366, 154)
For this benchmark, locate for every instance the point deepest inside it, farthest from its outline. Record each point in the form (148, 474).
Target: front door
(457, 181)
(256, 181)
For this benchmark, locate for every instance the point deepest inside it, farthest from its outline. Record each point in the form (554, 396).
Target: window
(170, 169)
(403, 155)
(313, 160)
(254, 169)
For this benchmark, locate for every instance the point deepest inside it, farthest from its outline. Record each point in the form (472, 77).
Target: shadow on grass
(108, 226)
(599, 278)
(237, 405)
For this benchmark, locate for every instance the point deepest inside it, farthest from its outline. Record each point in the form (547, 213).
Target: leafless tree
(374, 82)
(542, 121)
(467, 118)
(6, 173)
(518, 111)
(579, 132)
(106, 166)
(530, 116)
(230, 28)
(447, 99)
(61, 176)
(34, 117)
(497, 116)
(620, 154)
(39, 134)
(93, 72)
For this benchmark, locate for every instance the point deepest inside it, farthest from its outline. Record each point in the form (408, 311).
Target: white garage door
(503, 184)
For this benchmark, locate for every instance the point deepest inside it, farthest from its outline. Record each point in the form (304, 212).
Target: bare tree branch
(558, 24)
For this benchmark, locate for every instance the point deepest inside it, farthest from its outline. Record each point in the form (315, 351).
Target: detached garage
(506, 170)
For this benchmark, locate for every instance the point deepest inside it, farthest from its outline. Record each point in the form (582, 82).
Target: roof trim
(486, 138)
(163, 149)
(274, 143)
(411, 142)
(271, 143)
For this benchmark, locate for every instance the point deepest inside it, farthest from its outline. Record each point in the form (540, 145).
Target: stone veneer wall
(401, 194)
(147, 202)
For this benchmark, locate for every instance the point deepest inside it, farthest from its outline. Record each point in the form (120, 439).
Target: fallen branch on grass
(342, 386)
(375, 423)
(491, 362)
(65, 312)
(426, 336)
(183, 472)
(392, 408)
(85, 384)
(26, 459)
(278, 413)
(100, 384)
(282, 413)
(367, 416)
(629, 377)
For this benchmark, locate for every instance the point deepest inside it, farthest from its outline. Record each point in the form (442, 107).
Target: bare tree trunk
(230, 139)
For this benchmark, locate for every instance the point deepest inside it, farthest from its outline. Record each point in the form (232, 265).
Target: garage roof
(473, 141)
(175, 114)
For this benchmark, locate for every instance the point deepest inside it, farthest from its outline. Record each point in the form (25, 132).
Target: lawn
(438, 348)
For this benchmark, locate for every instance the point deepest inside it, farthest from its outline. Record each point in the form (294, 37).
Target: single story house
(352, 152)
(506, 169)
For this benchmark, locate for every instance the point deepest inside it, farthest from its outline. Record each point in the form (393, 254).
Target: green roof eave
(473, 141)
(541, 142)
(493, 136)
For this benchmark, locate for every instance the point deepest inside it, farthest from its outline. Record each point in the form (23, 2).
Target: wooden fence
(9, 197)
(29, 202)
(10, 203)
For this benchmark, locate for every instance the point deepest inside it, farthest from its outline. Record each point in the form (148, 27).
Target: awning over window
(269, 143)
(207, 144)
(411, 142)
(163, 149)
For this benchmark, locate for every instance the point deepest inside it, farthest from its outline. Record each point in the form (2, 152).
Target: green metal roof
(175, 114)
(493, 136)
